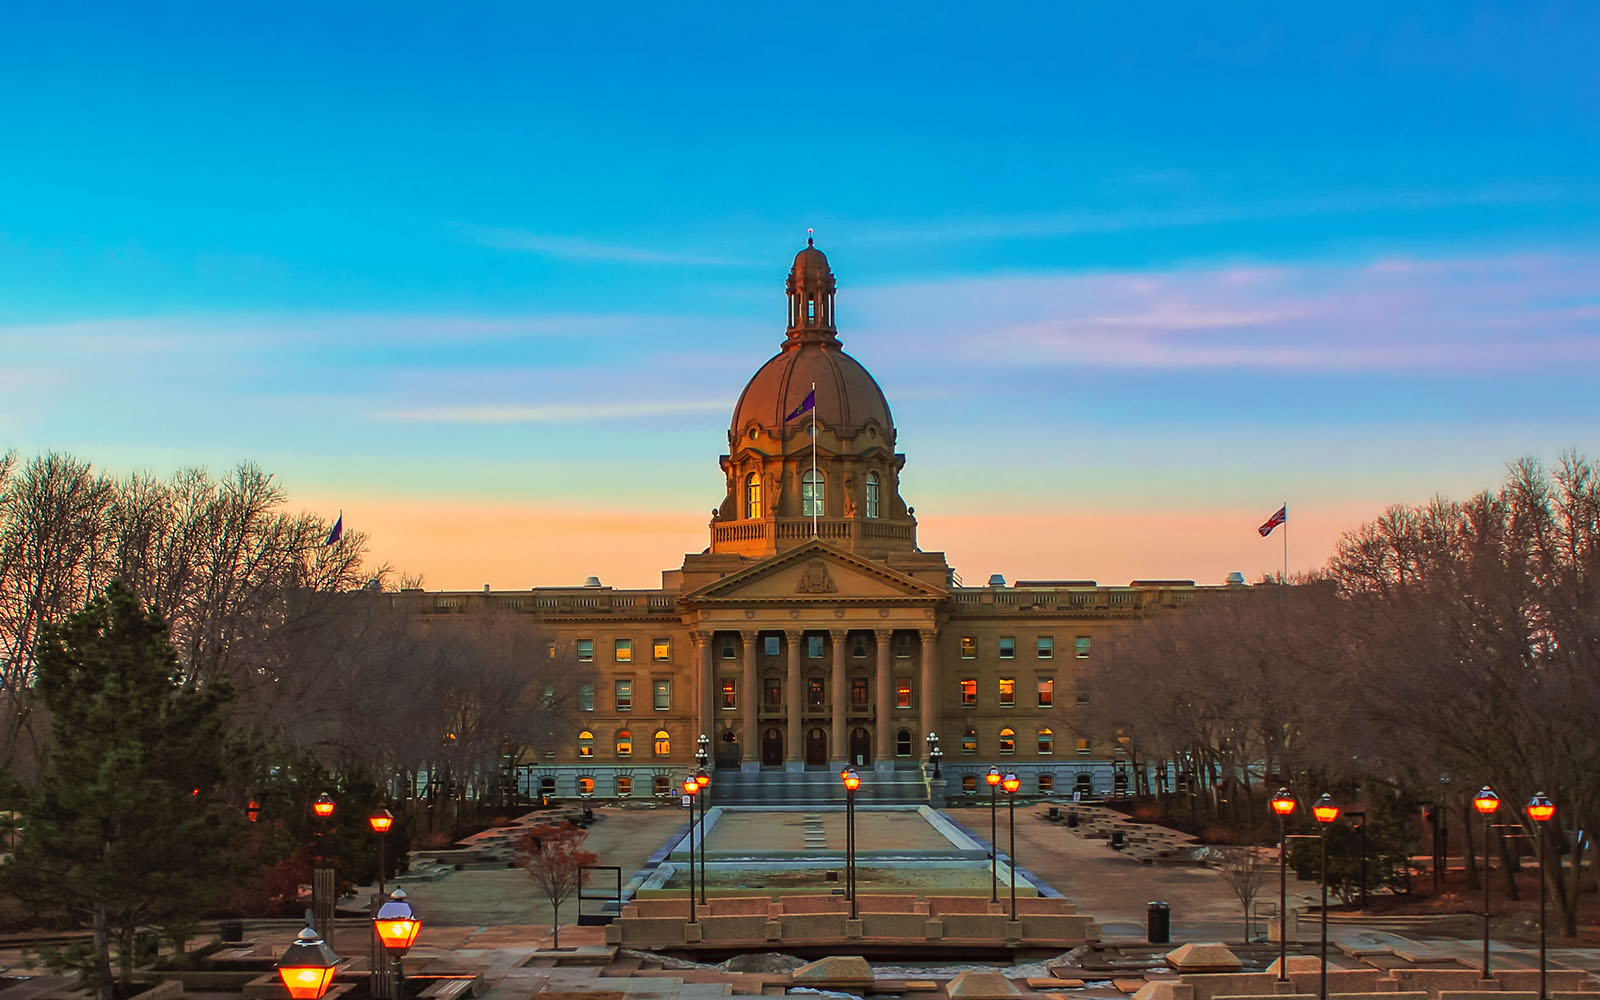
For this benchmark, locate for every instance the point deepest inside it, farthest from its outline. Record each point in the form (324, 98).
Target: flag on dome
(805, 406)
(1281, 517)
(338, 530)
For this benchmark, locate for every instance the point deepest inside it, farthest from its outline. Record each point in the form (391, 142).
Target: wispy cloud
(576, 248)
(555, 413)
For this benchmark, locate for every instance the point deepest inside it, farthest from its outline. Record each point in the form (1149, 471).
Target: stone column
(795, 758)
(930, 685)
(750, 705)
(841, 747)
(706, 666)
(883, 757)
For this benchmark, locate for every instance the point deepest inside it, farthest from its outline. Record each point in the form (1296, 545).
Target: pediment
(816, 573)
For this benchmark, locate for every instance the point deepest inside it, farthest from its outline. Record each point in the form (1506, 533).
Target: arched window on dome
(813, 495)
(874, 496)
(752, 495)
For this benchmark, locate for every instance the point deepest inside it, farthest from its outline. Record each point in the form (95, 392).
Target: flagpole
(814, 483)
(1286, 543)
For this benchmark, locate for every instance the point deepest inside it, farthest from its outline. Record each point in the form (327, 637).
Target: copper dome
(847, 396)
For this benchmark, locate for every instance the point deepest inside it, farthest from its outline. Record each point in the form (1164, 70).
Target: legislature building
(814, 629)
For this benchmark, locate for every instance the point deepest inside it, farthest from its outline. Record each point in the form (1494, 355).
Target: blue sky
(490, 279)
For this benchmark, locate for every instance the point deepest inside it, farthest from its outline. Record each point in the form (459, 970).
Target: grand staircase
(775, 787)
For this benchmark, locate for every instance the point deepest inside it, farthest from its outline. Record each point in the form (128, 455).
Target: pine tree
(126, 828)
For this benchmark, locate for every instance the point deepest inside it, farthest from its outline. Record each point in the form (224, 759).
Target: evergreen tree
(126, 827)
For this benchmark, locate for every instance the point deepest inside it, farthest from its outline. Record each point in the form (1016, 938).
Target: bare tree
(556, 862)
(1244, 872)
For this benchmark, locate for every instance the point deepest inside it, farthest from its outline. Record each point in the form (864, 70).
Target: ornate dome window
(874, 496)
(813, 494)
(752, 495)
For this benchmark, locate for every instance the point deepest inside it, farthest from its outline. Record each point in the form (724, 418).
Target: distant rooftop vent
(1235, 579)
(486, 588)
(373, 584)
(593, 581)
(997, 580)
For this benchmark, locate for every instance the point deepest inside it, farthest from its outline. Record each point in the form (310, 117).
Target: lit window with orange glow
(752, 495)
(969, 691)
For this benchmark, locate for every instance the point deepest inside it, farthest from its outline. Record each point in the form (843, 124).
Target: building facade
(814, 630)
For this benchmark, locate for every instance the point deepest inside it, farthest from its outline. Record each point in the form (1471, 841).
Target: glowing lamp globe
(1283, 804)
(1486, 801)
(1325, 809)
(396, 924)
(323, 806)
(701, 778)
(993, 777)
(306, 967)
(380, 821)
(851, 779)
(1541, 809)
(690, 786)
(1011, 783)
(253, 810)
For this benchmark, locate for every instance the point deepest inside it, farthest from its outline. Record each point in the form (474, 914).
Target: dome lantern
(811, 287)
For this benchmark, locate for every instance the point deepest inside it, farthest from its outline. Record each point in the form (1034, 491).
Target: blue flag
(806, 404)
(338, 530)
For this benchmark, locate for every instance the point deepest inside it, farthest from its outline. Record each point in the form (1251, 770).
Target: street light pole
(398, 926)
(702, 778)
(852, 781)
(322, 884)
(691, 788)
(379, 821)
(1486, 803)
(1541, 809)
(993, 778)
(1327, 812)
(1283, 805)
(1011, 783)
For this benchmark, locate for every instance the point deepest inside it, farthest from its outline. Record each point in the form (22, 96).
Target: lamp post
(306, 967)
(852, 781)
(322, 876)
(691, 788)
(1011, 783)
(1486, 802)
(702, 778)
(397, 927)
(1541, 810)
(1327, 813)
(1283, 805)
(379, 821)
(935, 755)
(994, 778)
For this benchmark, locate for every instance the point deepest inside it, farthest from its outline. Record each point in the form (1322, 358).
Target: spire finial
(809, 241)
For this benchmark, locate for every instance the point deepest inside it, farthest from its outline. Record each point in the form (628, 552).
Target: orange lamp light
(1486, 801)
(851, 779)
(993, 777)
(380, 821)
(1325, 809)
(323, 806)
(306, 968)
(253, 810)
(396, 924)
(701, 778)
(1541, 809)
(691, 786)
(1011, 783)
(1283, 804)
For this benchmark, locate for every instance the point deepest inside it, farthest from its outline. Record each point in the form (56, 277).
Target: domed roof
(847, 395)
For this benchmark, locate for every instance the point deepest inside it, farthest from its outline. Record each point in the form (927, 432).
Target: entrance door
(727, 749)
(772, 748)
(816, 747)
(860, 746)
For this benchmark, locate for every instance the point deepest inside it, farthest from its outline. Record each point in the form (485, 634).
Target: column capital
(749, 639)
(883, 634)
(701, 636)
(928, 634)
(838, 635)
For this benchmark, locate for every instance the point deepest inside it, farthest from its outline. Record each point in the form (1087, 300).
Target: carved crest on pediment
(816, 580)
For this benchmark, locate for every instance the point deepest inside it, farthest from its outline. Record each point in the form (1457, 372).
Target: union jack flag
(1280, 517)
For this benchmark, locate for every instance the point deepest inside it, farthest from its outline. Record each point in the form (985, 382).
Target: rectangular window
(624, 786)
(730, 649)
(1046, 647)
(1047, 692)
(661, 695)
(586, 697)
(815, 694)
(772, 645)
(902, 692)
(969, 691)
(1008, 692)
(622, 651)
(814, 647)
(1080, 647)
(772, 692)
(1008, 647)
(661, 650)
(969, 742)
(969, 647)
(585, 650)
(550, 650)
(902, 647)
(730, 694)
(624, 691)
(1083, 747)
(858, 692)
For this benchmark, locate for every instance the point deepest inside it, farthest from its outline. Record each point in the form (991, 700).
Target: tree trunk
(102, 954)
(1510, 864)
(555, 924)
